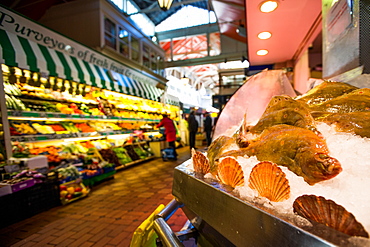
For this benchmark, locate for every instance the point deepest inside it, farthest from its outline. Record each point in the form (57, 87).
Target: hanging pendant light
(165, 4)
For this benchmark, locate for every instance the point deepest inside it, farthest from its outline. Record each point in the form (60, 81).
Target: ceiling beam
(201, 29)
(206, 60)
(155, 7)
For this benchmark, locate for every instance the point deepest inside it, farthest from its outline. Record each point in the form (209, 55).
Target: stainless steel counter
(223, 219)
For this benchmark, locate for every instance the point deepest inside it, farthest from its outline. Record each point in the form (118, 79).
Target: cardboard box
(32, 162)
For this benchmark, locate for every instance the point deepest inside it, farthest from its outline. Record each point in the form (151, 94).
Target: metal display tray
(239, 223)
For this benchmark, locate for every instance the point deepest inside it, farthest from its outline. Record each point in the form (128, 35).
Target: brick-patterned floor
(109, 215)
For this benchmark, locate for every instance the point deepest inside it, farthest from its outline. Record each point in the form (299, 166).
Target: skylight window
(187, 16)
(118, 3)
(131, 9)
(144, 23)
(125, 6)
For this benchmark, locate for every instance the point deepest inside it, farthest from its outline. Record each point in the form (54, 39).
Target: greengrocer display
(42, 108)
(85, 134)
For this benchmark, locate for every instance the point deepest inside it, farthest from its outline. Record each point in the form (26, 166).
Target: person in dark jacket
(208, 128)
(193, 129)
(169, 131)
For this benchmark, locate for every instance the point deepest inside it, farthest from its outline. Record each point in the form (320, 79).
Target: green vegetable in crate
(20, 150)
(77, 194)
(142, 154)
(50, 107)
(119, 150)
(12, 89)
(70, 148)
(69, 172)
(125, 160)
(14, 103)
(85, 109)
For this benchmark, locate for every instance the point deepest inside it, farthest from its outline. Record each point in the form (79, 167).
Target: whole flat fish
(325, 91)
(357, 100)
(299, 149)
(357, 123)
(280, 110)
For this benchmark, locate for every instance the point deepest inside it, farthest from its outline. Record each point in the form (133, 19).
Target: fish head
(321, 167)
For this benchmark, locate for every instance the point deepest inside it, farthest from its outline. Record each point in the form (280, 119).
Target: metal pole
(4, 120)
(165, 234)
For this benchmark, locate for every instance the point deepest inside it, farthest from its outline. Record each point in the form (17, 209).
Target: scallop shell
(230, 172)
(269, 181)
(200, 162)
(327, 212)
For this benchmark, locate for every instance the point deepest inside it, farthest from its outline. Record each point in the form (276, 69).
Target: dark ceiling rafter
(156, 15)
(155, 7)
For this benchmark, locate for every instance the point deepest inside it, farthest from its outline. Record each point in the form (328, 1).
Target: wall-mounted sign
(23, 27)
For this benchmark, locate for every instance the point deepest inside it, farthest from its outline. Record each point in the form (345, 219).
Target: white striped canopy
(17, 51)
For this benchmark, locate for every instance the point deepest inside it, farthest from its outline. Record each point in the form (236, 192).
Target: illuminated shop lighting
(262, 52)
(165, 4)
(268, 6)
(264, 35)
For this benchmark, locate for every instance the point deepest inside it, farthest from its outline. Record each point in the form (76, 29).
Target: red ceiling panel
(230, 15)
(294, 25)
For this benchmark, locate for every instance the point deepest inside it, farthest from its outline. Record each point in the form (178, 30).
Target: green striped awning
(19, 52)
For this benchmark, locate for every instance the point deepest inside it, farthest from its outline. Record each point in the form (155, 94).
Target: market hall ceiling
(294, 24)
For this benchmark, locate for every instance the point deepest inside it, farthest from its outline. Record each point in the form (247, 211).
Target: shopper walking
(193, 129)
(169, 131)
(208, 128)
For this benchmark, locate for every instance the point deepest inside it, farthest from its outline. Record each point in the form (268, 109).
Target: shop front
(70, 111)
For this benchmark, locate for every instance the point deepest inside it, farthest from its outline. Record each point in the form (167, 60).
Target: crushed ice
(348, 189)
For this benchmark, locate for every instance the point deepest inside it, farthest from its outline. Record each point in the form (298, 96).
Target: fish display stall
(298, 176)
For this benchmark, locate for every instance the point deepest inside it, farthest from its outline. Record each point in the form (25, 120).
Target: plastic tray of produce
(15, 187)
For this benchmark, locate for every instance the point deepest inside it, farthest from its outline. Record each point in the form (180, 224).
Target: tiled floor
(109, 215)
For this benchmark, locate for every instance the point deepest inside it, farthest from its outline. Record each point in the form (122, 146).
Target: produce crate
(23, 185)
(43, 196)
(28, 202)
(72, 196)
(93, 180)
(12, 188)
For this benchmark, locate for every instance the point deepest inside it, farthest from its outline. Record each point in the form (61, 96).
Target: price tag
(54, 115)
(63, 136)
(54, 136)
(17, 113)
(14, 139)
(31, 139)
(21, 139)
(42, 114)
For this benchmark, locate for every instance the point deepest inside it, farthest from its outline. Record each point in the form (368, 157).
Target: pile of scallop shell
(270, 182)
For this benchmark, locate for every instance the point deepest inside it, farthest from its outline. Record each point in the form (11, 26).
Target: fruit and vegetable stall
(78, 135)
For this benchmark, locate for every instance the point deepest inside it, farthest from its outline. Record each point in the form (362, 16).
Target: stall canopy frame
(17, 51)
